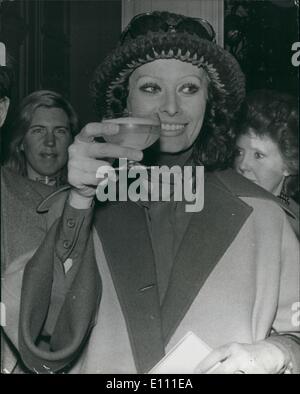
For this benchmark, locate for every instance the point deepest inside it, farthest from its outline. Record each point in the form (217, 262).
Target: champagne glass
(137, 132)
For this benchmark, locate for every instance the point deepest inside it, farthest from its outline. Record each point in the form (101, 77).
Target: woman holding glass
(149, 272)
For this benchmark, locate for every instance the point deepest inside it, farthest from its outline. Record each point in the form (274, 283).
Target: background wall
(95, 27)
(260, 35)
(57, 44)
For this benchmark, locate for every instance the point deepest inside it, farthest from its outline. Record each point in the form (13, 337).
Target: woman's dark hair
(214, 146)
(275, 115)
(41, 98)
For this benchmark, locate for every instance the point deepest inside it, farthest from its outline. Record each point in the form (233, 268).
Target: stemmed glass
(137, 132)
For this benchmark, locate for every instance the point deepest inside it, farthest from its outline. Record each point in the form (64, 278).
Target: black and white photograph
(150, 189)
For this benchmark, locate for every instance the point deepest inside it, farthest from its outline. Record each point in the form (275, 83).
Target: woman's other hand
(261, 357)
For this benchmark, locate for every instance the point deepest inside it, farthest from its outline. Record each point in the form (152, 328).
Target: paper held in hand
(184, 357)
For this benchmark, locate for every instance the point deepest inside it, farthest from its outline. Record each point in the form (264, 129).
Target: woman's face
(259, 160)
(177, 92)
(46, 142)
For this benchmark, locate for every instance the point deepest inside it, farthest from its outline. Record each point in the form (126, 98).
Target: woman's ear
(4, 104)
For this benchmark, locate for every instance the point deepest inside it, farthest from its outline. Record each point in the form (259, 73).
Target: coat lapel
(123, 231)
(209, 234)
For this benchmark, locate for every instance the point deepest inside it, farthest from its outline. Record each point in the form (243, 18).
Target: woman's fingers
(93, 130)
(213, 359)
(76, 178)
(88, 163)
(100, 150)
(85, 145)
(228, 366)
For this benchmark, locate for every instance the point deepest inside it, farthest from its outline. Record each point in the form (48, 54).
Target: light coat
(235, 278)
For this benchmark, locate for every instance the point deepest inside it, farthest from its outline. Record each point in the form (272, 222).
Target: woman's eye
(258, 155)
(151, 88)
(238, 152)
(189, 88)
(61, 130)
(37, 130)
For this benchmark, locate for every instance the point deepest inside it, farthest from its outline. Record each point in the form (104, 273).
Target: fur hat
(164, 35)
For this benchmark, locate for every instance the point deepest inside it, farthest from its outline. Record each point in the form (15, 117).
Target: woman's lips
(172, 129)
(48, 155)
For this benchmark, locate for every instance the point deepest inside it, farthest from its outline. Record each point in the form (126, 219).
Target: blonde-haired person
(44, 127)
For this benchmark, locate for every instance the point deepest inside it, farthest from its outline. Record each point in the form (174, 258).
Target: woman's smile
(172, 129)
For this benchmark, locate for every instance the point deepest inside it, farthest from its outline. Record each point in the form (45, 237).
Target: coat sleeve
(286, 327)
(55, 297)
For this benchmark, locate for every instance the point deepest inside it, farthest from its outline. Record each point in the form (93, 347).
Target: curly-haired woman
(268, 146)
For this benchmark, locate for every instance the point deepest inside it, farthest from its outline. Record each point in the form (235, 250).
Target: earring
(283, 194)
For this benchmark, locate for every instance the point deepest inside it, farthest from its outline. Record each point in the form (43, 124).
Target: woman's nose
(170, 103)
(49, 139)
(244, 163)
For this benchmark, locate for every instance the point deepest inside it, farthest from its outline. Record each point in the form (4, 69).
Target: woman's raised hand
(86, 156)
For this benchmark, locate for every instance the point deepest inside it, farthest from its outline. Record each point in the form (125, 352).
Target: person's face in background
(46, 142)
(259, 160)
(177, 92)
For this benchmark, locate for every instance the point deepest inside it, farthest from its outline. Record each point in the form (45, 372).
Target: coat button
(71, 223)
(66, 244)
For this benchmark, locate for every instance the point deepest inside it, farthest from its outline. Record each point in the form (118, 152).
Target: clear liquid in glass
(134, 132)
